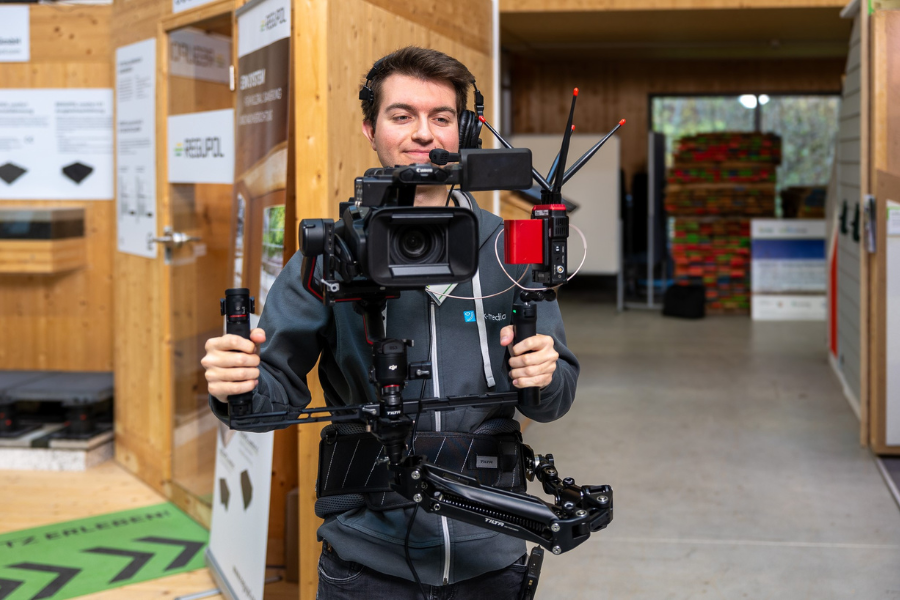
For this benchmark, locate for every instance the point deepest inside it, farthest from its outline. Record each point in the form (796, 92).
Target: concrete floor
(735, 461)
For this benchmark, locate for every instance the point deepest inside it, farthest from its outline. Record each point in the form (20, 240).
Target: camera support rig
(577, 511)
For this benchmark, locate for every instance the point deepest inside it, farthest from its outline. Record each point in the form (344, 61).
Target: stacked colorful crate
(715, 253)
(729, 147)
(720, 180)
(736, 200)
(724, 174)
(728, 173)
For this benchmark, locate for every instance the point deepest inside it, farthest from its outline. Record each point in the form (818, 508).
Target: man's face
(414, 117)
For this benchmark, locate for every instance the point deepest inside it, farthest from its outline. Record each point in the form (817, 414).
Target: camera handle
(236, 307)
(524, 317)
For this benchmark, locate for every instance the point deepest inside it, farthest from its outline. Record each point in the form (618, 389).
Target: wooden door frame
(177, 494)
(879, 169)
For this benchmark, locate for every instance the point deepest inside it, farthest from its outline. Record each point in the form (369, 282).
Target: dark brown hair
(422, 63)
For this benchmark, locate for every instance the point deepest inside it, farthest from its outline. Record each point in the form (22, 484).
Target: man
(417, 96)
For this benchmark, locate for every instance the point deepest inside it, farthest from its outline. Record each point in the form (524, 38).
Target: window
(807, 124)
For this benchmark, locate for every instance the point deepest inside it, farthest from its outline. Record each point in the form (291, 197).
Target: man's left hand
(532, 361)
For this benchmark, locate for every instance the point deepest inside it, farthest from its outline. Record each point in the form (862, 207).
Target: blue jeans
(345, 580)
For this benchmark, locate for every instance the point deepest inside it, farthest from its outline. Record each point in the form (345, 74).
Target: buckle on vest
(330, 436)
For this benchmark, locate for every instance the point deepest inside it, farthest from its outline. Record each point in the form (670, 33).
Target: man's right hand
(231, 364)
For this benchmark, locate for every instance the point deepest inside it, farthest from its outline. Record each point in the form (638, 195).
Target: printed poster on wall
(892, 324)
(261, 138)
(201, 147)
(788, 269)
(136, 147)
(195, 54)
(15, 34)
(56, 144)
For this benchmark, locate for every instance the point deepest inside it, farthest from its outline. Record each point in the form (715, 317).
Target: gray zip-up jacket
(462, 339)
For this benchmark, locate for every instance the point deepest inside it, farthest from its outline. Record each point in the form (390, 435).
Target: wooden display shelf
(42, 256)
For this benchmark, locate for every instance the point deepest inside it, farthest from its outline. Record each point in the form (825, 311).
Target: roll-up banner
(237, 546)
(261, 143)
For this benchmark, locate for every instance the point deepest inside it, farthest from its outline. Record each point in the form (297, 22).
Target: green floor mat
(74, 558)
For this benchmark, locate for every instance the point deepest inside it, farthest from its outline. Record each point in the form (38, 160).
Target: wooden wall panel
(143, 373)
(883, 138)
(63, 321)
(612, 90)
(335, 44)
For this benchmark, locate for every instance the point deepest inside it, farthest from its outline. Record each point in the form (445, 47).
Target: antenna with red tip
(589, 154)
(564, 150)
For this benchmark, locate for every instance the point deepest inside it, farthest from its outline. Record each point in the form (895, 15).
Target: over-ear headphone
(469, 122)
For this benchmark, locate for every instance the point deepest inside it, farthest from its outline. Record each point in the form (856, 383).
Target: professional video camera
(383, 244)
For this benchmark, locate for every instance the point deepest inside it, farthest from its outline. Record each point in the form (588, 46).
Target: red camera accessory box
(525, 238)
(523, 241)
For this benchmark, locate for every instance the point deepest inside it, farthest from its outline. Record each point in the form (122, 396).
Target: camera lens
(417, 244)
(414, 243)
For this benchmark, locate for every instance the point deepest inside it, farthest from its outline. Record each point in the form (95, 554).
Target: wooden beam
(465, 21)
(310, 49)
(521, 6)
(195, 15)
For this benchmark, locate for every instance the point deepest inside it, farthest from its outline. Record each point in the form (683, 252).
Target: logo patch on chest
(469, 316)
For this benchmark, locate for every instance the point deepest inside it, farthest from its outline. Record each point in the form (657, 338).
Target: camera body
(383, 242)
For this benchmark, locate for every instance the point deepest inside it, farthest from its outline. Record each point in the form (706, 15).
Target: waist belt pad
(353, 464)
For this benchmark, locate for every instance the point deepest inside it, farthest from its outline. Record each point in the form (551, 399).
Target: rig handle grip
(524, 317)
(236, 306)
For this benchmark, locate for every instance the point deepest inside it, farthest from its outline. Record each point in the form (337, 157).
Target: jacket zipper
(435, 382)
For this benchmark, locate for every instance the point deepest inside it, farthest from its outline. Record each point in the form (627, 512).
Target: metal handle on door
(172, 239)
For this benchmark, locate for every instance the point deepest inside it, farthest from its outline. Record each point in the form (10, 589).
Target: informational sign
(15, 34)
(183, 5)
(136, 147)
(240, 513)
(261, 143)
(892, 325)
(201, 147)
(893, 218)
(198, 55)
(56, 144)
(262, 24)
(788, 269)
(788, 307)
